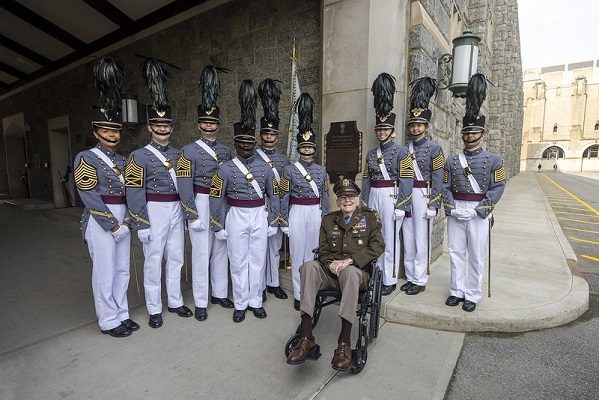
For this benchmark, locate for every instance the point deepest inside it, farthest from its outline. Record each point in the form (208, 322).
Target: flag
(293, 118)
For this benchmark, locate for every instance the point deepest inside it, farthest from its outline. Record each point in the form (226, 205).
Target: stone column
(362, 38)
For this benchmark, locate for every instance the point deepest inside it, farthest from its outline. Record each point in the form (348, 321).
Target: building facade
(561, 117)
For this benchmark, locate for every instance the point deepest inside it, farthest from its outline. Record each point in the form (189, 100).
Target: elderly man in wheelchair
(350, 240)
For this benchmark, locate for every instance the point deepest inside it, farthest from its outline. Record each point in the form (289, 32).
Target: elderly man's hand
(337, 266)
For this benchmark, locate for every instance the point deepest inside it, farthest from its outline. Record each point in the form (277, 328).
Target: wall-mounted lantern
(464, 61)
(129, 111)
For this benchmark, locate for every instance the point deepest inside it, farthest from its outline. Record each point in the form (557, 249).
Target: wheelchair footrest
(314, 354)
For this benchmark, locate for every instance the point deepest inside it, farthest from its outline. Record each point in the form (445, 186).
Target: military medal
(360, 242)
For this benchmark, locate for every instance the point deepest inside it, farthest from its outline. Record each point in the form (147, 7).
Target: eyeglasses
(347, 197)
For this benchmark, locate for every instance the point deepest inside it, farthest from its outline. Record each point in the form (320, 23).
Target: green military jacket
(360, 239)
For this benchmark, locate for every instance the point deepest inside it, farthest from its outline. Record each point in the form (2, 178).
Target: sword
(395, 194)
(428, 231)
(186, 227)
(135, 269)
(489, 287)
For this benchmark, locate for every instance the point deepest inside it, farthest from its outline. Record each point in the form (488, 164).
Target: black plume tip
(383, 89)
(475, 96)
(305, 107)
(423, 89)
(155, 77)
(108, 80)
(248, 100)
(270, 94)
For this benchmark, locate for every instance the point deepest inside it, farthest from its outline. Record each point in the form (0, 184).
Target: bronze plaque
(343, 150)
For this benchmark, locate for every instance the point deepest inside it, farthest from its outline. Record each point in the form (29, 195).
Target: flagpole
(293, 118)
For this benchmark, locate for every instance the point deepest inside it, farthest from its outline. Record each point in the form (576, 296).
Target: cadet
(305, 189)
(196, 166)
(428, 161)
(387, 180)
(154, 203)
(343, 264)
(270, 93)
(101, 186)
(238, 210)
(473, 183)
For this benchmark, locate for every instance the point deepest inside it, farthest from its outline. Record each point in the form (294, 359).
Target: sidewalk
(51, 346)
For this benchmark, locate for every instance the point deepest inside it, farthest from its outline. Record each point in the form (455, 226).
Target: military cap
(346, 186)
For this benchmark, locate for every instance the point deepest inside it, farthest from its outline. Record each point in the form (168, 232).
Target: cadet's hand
(398, 214)
(144, 235)
(221, 235)
(466, 215)
(272, 230)
(430, 214)
(285, 230)
(454, 213)
(197, 225)
(120, 233)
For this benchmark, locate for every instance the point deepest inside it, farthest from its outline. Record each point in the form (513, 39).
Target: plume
(422, 91)
(270, 94)
(155, 77)
(383, 89)
(475, 96)
(248, 100)
(305, 105)
(209, 87)
(108, 80)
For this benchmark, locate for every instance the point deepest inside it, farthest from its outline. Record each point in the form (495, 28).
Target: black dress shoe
(223, 302)
(415, 289)
(453, 301)
(119, 331)
(182, 311)
(296, 304)
(469, 306)
(155, 321)
(238, 315)
(259, 312)
(201, 313)
(277, 291)
(264, 296)
(405, 286)
(130, 324)
(388, 289)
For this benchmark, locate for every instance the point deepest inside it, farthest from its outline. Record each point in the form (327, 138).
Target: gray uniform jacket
(430, 159)
(295, 184)
(489, 173)
(196, 167)
(146, 174)
(230, 183)
(94, 179)
(399, 166)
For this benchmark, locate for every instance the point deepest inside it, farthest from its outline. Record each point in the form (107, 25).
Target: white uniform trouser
(415, 239)
(246, 245)
(271, 270)
(110, 271)
(472, 237)
(166, 219)
(207, 251)
(381, 200)
(304, 227)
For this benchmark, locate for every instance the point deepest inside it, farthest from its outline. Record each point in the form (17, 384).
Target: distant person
(554, 167)
(539, 167)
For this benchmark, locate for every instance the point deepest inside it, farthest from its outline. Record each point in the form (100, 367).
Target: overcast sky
(558, 31)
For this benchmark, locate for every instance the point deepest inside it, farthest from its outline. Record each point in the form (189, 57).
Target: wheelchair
(368, 312)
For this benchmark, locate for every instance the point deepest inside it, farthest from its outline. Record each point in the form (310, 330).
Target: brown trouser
(314, 278)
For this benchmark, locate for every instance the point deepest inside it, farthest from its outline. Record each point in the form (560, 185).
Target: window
(553, 152)
(597, 126)
(555, 128)
(591, 151)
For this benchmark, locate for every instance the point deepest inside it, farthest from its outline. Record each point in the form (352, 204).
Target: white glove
(120, 233)
(272, 230)
(221, 235)
(398, 214)
(197, 226)
(285, 230)
(466, 215)
(144, 235)
(454, 213)
(430, 214)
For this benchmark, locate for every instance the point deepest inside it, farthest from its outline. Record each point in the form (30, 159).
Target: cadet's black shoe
(469, 306)
(201, 313)
(296, 304)
(264, 296)
(259, 312)
(119, 331)
(182, 311)
(223, 302)
(388, 289)
(405, 286)
(130, 324)
(155, 321)
(277, 291)
(415, 289)
(238, 315)
(453, 301)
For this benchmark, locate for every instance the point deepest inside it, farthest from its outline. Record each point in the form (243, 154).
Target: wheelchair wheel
(376, 303)
(291, 344)
(359, 358)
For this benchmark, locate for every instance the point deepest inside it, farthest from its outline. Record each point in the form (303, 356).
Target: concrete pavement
(51, 346)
